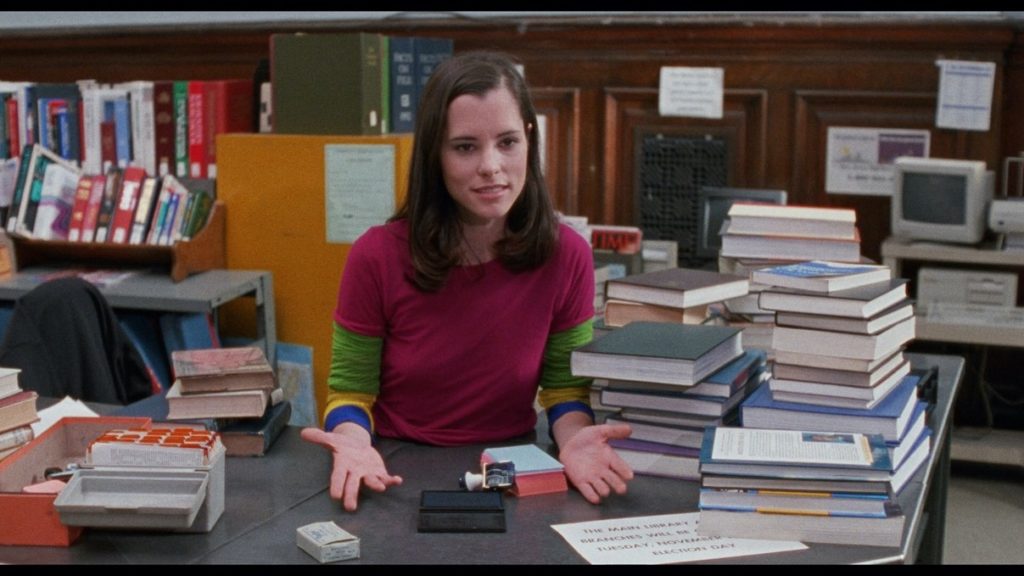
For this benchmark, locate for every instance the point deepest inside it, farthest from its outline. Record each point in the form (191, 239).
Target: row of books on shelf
(51, 199)
(350, 82)
(17, 412)
(163, 126)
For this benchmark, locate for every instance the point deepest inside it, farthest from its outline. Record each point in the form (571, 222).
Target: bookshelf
(205, 251)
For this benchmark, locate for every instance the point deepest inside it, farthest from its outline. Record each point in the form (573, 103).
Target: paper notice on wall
(359, 188)
(661, 539)
(965, 94)
(693, 92)
(860, 160)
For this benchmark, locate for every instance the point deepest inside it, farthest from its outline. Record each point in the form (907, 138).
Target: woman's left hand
(592, 465)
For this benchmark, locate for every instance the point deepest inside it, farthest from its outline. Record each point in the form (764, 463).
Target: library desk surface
(154, 291)
(269, 497)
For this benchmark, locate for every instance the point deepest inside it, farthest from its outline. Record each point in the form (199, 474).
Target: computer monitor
(713, 209)
(941, 199)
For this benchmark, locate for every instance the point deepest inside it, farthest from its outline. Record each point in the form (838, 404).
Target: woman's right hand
(356, 462)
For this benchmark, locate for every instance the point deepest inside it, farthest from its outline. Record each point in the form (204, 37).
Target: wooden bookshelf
(205, 251)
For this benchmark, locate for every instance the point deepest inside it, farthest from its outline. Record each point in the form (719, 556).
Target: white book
(828, 375)
(843, 344)
(790, 220)
(799, 390)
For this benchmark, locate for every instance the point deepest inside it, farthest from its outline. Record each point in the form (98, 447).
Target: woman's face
(484, 155)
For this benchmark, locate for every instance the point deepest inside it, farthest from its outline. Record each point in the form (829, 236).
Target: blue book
(731, 377)
(403, 83)
(821, 276)
(429, 53)
(806, 454)
(528, 458)
(890, 417)
(188, 331)
(143, 329)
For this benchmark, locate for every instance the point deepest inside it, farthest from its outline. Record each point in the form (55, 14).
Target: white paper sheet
(359, 188)
(659, 539)
(860, 160)
(66, 407)
(693, 92)
(965, 94)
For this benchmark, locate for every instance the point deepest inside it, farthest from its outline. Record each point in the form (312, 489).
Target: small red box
(31, 519)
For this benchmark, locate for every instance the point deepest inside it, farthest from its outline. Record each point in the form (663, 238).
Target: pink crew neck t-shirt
(461, 365)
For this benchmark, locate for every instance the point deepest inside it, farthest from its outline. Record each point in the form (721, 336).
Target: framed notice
(860, 160)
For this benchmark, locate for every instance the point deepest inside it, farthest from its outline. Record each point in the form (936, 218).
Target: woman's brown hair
(531, 229)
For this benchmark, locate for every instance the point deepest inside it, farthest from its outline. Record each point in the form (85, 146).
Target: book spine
(16, 437)
(371, 71)
(163, 127)
(181, 142)
(18, 197)
(144, 210)
(403, 83)
(197, 160)
(127, 201)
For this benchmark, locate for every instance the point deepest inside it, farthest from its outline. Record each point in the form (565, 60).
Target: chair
(64, 337)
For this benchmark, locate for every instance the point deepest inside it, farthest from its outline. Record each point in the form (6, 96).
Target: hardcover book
(682, 354)
(687, 436)
(795, 452)
(222, 369)
(743, 372)
(900, 311)
(860, 302)
(254, 437)
(843, 344)
(18, 410)
(837, 394)
(669, 401)
(621, 312)
(785, 247)
(653, 459)
(821, 276)
(327, 83)
(9, 381)
(890, 417)
(804, 221)
(678, 287)
(850, 378)
(830, 362)
(234, 404)
(884, 531)
(537, 472)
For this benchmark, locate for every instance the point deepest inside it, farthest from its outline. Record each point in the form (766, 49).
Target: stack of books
(786, 232)
(840, 331)
(17, 412)
(758, 236)
(840, 379)
(652, 365)
(537, 472)
(676, 295)
(235, 388)
(834, 488)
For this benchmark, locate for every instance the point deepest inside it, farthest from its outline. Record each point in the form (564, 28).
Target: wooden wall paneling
(561, 107)
(819, 110)
(633, 112)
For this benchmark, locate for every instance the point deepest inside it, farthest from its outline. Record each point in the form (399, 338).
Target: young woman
(454, 313)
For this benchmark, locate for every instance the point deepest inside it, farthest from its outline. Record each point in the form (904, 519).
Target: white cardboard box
(327, 542)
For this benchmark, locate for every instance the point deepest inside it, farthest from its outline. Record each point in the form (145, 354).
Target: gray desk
(199, 293)
(268, 498)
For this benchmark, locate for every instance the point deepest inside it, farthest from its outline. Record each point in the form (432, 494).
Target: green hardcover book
(327, 83)
(661, 352)
(180, 96)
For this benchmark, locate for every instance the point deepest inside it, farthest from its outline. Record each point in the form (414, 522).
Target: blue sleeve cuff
(348, 413)
(563, 408)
